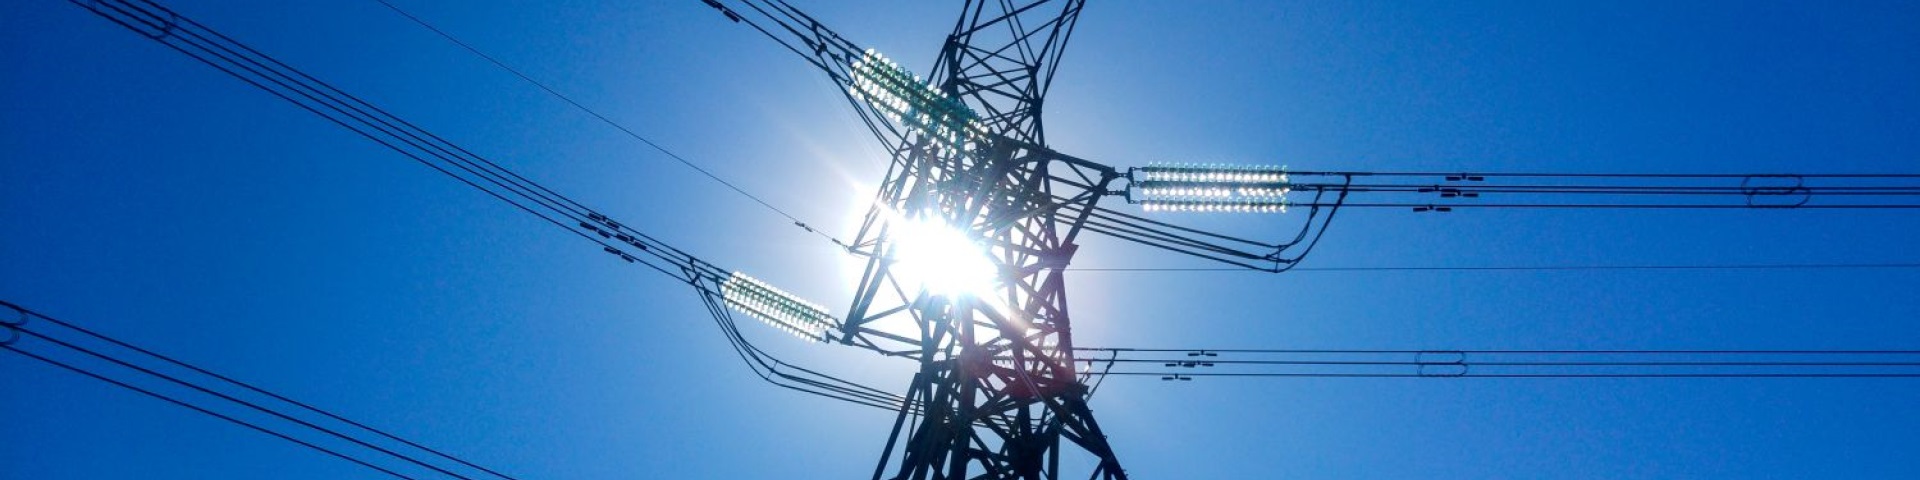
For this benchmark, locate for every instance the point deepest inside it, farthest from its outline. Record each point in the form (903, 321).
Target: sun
(940, 258)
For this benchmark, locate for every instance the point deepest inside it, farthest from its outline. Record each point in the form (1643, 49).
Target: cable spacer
(1440, 363)
(1793, 191)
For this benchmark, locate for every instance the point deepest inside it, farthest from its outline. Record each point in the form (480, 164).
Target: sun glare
(940, 258)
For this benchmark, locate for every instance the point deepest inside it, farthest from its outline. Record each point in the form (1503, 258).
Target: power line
(1179, 375)
(1468, 268)
(1185, 364)
(20, 331)
(359, 116)
(608, 121)
(1203, 352)
(231, 380)
(229, 418)
(1474, 176)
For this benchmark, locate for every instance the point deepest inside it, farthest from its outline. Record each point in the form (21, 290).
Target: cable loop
(166, 27)
(13, 326)
(19, 311)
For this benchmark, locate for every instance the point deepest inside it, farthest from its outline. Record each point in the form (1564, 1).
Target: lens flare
(940, 258)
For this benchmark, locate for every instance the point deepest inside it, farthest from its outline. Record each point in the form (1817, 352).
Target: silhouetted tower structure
(996, 391)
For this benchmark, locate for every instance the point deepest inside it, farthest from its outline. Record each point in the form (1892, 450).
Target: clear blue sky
(160, 201)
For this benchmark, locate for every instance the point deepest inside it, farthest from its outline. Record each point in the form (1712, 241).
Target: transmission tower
(996, 390)
(996, 376)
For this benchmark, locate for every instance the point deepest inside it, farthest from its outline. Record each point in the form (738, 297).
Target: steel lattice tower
(996, 390)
